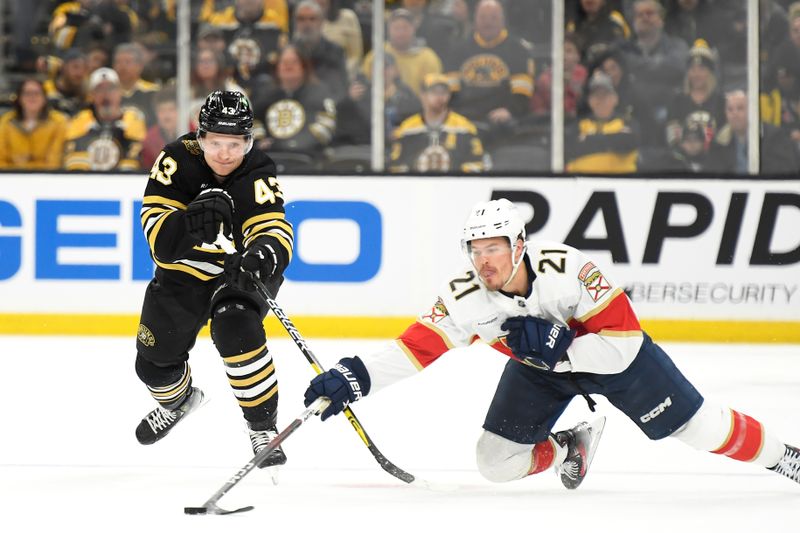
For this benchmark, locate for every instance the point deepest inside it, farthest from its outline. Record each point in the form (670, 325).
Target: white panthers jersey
(567, 288)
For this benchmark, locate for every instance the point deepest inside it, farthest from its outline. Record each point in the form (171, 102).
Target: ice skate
(160, 421)
(789, 465)
(581, 442)
(260, 439)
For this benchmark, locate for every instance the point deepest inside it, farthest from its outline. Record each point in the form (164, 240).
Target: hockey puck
(195, 510)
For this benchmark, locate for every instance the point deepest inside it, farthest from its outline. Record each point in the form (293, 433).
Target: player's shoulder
(259, 165)
(553, 257)
(145, 86)
(182, 161)
(184, 148)
(80, 124)
(410, 126)
(460, 124)
(7, 117)
(133, 123)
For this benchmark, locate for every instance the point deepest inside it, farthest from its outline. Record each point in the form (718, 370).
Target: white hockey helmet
(495, 218)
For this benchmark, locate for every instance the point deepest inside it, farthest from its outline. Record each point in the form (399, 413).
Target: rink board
(701, 259)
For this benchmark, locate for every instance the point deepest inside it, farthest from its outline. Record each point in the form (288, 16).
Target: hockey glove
(257, 262)
(346, 382)
(536, 341)
(205, 214)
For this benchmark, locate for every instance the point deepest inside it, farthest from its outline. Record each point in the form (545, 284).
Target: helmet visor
(215, 144)
(491, 249)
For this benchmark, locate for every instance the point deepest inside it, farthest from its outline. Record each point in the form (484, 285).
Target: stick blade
(213, 509)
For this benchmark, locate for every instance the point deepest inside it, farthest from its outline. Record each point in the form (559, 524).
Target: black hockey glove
(346, 382)
(259, 262)
(205, 214)
(536, 341)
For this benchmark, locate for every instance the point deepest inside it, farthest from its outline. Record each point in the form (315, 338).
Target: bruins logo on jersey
(104, 153)
(484, 70)
(285, 118)
(145, 336)
(433, 158)
(246, 51)
(193, 147)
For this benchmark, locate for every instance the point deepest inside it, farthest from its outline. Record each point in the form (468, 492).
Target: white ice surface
(69, 459)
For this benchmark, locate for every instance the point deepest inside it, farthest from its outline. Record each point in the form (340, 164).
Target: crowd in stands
(649, 85)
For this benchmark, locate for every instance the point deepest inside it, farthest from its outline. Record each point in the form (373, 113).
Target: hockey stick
(211, 507)
(385, 463)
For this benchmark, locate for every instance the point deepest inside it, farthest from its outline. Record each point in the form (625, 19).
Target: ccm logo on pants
(660, 408)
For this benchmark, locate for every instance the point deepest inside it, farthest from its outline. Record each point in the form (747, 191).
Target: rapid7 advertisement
(371, 246)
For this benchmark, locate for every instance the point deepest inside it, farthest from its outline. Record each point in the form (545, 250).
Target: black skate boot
(260, 437)
(581, 442)
(789, 465)
(160, 421)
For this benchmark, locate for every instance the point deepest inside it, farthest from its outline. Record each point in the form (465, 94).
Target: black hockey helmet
(226, 112)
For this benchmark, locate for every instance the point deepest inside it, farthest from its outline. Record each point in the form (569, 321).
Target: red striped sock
(543, 455)
(745, 439)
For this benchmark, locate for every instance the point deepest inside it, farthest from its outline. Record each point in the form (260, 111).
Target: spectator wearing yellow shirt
(32, 134)
(414, 62)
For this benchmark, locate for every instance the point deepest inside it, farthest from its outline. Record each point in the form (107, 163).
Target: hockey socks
(546, 454)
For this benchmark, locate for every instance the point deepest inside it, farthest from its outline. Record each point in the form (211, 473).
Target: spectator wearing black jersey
(436, 139)
(603, 142)
(729, 151)
(701, 100)
(106, 136)
(492, 75)
(327, 58)
(298, 114)
(656, 60)
(66, 92)
(597, 24)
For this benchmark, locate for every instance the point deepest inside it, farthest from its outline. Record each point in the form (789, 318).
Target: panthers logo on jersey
(285, 118)
(437, 313)
(593, 280)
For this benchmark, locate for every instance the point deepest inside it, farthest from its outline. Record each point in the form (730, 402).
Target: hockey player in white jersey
(568, 330)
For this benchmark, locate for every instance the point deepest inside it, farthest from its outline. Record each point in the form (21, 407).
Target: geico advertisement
(370, 246)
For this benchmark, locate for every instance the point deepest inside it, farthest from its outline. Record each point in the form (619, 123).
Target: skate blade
(273, 472)
(597, 428)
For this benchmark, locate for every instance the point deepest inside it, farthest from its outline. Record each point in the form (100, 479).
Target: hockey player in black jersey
(200, 183)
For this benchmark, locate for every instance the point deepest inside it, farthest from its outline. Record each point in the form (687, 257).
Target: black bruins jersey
(95, 145)
(179, 174)
(453, 146)
(303, 121)
(487, 75)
